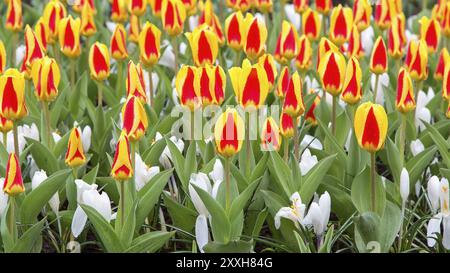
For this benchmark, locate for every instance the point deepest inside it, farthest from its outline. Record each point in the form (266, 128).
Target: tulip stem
(237, 58)
(47, 123)
(402, 139)
(122, 203)
(400, 234)
(100, 94)
(16, 139)
(5, 140)
(175, 53)
(192, 126)
(375, 91)
(373, 187)
(286, 149)
(324, 25)
(296, 141)
(333, 116)
(150, 79)
(12, 216)
(133, 164)
(119, 78)
(15, 37)
(227, 182)
(247, 144)
(72, 74)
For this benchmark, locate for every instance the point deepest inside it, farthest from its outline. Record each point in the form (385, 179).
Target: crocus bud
(310, 117)
(14, 18)
(332, 72)
(362, 11)
(405, 94)
(324, 6)
(311, 24)
(234, 30)
(137, 7)
(430, 32)
(384, 12)
(378, 59)
(2, 57)
(287, 125)
(88, 27)
(187, 92)
(444, 58)
(33, 50)
(211, 82)
(156, 7)
(354, 44)
(135, 120)
(283, 82)
(5, 124)
(270, 135)
(122, 168)
(135, 82)
(289, 41)
(300, 6)
(173, 15)
(99, 61)
(417, 60)
(325, 46)
(268, 62)
(293, 102)
(46, 76)
(119, 11)
(255, 36)
(404, 185)
(265, 6)
(12, 94)
(250, 84)
(42, 33)
(229, 133)
(445, 83)
(204, 45)
(351, 93)
(395, 40)
(54, 11)
(13, 184)
(149, 44)
(433, 190)
(370, 126)
(69, 36)
(303, 61)
(134, 29)
(209, 18)
(341, 22)
(75, 154)
(190, 6)
(118, 44)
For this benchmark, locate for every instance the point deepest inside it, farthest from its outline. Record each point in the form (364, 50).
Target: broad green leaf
(362, 194)
(441, 143)
(44, 159)
(149, 242)
(239, 203)
(27, 241)
(314, 177)
(231, 247)
(281, 172)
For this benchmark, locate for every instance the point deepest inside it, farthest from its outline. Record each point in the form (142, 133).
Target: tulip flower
(134, 29)
(277, 54)
(33, 50)
(204, 45)
(255, 36)
(211, 81)
(46, 76)
(54, 11)
(355, 47)
(190, 6)
(378, 59)
(118, 44)
(173, 15)
(88, 27)
(69, 36)
(13, 184)
(404, 101)
(119, 11)
(156, 7)
(2, 57)
(332, 72)
(229, 133)
(149, 44)
(303, 61)
(310, 116)
(384, 12)
(352, 89)
(12, 94)
(444, 58)
(137, 7)
(6, 125)
(99, 61)
(78, 6)
(287, 126)
(362, 11)
(289, 41)
(234, 29)
(270, 135)
(395, 40)
(14, 18)
(283, 82)
(341, 22)
(135, 120)
(187, 92)
(417, 59)
(42, 33)
(209, 18)
(264, 6)
(75, 156)
(445, 20)
(370, 126)
(268, 62)
(135, 82)
(250, 84)
(311, 24)
(430, 32)
(243, 5)
(445, 83)
(324, 47)
(324, 6)
(122, 168)
(293, 102)
(300, 6)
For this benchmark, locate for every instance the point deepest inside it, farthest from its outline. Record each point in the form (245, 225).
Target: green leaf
(239, 203)
(149, 242)
(393, 158)
(190, 164)
(155, 151)
(417, 164)
(91, 175)
(44, 159)
(282, 173)
(362, 195)
(367, 230)
(127, 231)
(183, 217)
(441, 143)
(178, 162)
(27, 241)
(314, 177)
(231, 247)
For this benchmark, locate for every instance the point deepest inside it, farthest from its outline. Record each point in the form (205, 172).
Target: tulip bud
(2, 57)
(293, 102)
(99, 61)
(135, 82)
(332, 72)
(283, 82)
(88, 27)
(310, 116)
(325, 46)
(395, 40)
(404, 185)
(135, 120)
(54, 11)
(118, 44)
(75, 154)
(430, 32)
(446, 83)
(204, 45)
(79, 4)
(384, 12)
(311, 24)
(149, 44)
(355, 48)
(137, 7)
(405, 94)
(378, 59)
(287, 125)
(362, 11)
(229, 133)
(69, 36)
(265, 6)
(211, 82)
(255, 36)
(173, 15)
(210, 19)
(277, 54)
(5, 125)
(289, 41)
(190, 6)
(119, 11)
(46, 76)
(12, 94)
(243, 5)
(341, 23)
(42, 33)
(445, 19)
(188, 94)
(301, 6)
(417, 60)
(270, 135)
(156, 7)
(250, 84)
(33, 50)
(324, 6)
(370, 126)
(303, 61)
(135, 29)
(13, 184)
(234, 29)
(122, 168)
(267, 61)
(444, 58)
(352, 90)
(14, 18)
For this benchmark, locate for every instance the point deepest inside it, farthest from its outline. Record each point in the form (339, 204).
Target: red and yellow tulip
(324, 47)
(362, 11)
(54, 11)
(370, 126)
(324, 6)
(209, 18)
(354, 44)
(283, 82)
(119, 11)
(118, 44)
(188, 93)
(445, 19)
(211, 82)
(404, 100)
(134, 29)
(42, 33)
(300, 6)
(122, 168)
(268, 62)
(446, 83)
(293, 101)
(417, 59)
(46, 76)
(149, 44)
(395, 39)
(430, 32)
(289, 41)
(88, 27)
(444, 58)
(6, 125)
(69, 36)
(12, 94)
(204, 45)
(310, 116)
(99, 61)
(264, 6)
(75, 156)
(287, 125)
(255, 37)
(352, 91)
(14, 18)
(270, 135)
(33, 50)
(384, 12)
(234, 30)
(229, 133)
(134, 117)
(137, 7)
(135, 82)
(13, 184)
(173, 15)
(156, 6)
(378, 59)
(2, 57)
(332, 72)
(190, 6)
(341, 22)
(79, 4)
(303, 61)
(311, 24)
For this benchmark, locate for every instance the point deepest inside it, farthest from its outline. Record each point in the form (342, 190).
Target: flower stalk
(373, 186)
(16, 139)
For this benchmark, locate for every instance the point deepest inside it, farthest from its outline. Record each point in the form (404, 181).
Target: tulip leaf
(149, 242)
(37, 199)
(419, 163)
(314, 177)
(154, 153)
(27, 241)
(190, 163)
(389, 226)
(362, 195)
(104, 230)
(127, 231)
(91, 175)
(260, 168)
(178, 163)
(239, 202)
(393, 159)
(61, 146)
(281, 172)
(7, 238)
(44, 159)
(367, 231)
(182, 217)
(336, 147)
(4, 155)
(441, 143)
(231, 247)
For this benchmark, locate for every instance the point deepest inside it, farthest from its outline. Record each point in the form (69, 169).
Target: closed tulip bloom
(277, 54)
(417, 59)
(12, 94)
(190, 6)
(310, 116)
(362, 11)
(289, 42)
(134, 29)
(134, 117)
(135, 82)
(2, 57)
(324, 6)
(229, 133)
(324, 47)
(270, 135)
(219, 83)
(173, 15)
(405, 94)
(268, 62)
(234, 30)
(211, 82)
(378, 59)
(204, 45)
(332, 72)
(231, 3)
(301, 6)
(156, 6)
(446, 83)
(255, 37)
(79, 4)
(99, 61)
(311, 24)
(283, 82)
(13, 184)
(371, 125)
(46, 76)
(286, 125)
(341, 22)
(250, 84)
(33, 50)
(69, 36)
(355, 48)
(187, 92)
(54, 11)
(149, 44)
(384, 12)
(88, 27)
(265, 6)
(243, 5)
(303, 61)
(445, 20)
(119, 11)
(122, 168)
(42, 33)
(118, 44)
(209, 18)
(395, 41)
(137, 7)
(75, 154)
(5, 125)
(14, 18)
(352, 91)
(293, 102)
(430, 32)
(444, 58)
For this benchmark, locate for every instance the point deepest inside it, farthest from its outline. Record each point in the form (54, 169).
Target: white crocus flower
(23, 132)
(3, 198)
(367, 39)
(20, 53)
(433, 189)
(422, 112)
(383, 81)
(86, 134)
(309, 141)
(217, 176)
(295, 213)
(418, 188)
(111, 26)
(312, 84)
(166, 156)
(319, 214)
(292, 16)
(38, 178)
(404, 185)
(307, 162)
(434, 225)
(155, 81)
(143, 172)
(168, 57)
(416, 147)
(201, 231)
(56, 137)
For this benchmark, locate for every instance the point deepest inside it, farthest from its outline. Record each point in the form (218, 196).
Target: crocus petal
(434, 226)
(78, 221)
(201, 232)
